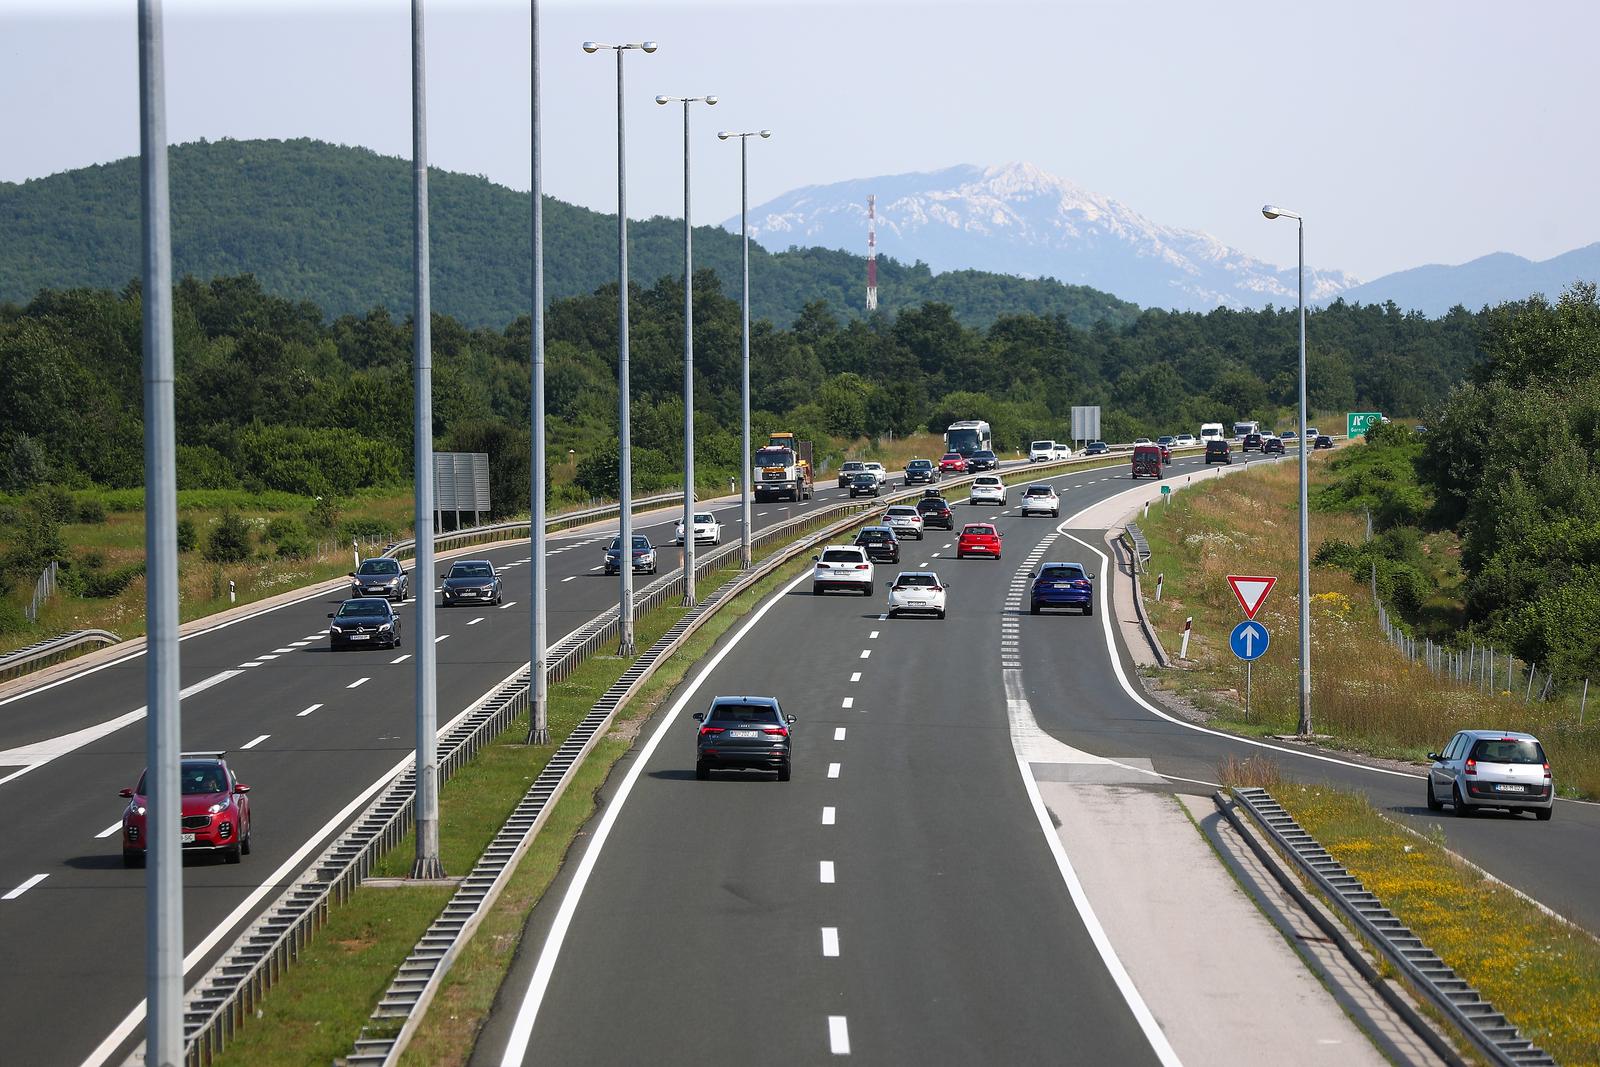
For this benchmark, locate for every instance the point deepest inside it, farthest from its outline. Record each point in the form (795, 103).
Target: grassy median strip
(1366, 696)
(318, 1007)
(1544, 974)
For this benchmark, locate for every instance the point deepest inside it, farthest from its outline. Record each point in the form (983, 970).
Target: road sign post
(1357, 423)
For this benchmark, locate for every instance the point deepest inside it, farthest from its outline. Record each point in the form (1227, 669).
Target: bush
(92, 582)
(283, 528)
(91, 510)
(229, 540)
(295, 547)
(52, 504)
(187, 537)
(324, 515)
(12, 619)
(366, 528)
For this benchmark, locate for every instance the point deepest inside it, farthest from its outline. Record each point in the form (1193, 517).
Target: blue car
(1062, 585)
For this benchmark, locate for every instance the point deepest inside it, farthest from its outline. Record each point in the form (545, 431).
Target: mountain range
(1019, 219)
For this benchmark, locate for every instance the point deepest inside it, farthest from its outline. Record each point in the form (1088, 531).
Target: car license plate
(360, 637)
(1509, 788)
(188, 839)
(742, 733)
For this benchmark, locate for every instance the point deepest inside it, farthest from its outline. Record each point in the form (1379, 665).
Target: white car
(987, 489)
(1063, 451)
(905, 521)
(921, 591)
(1143, 441)
(1041, 451)
(1185, 440)
(707, 530)
(877, 471)
(1040, 499)
(842, 567)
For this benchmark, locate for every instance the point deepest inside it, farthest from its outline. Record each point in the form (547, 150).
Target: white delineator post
(1188, 627)
(1159, 579)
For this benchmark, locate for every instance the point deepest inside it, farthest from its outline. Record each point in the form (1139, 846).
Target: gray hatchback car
(1492, 769)
(747, 733)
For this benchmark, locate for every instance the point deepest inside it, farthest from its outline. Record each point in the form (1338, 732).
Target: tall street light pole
(163, 855)
(538, 683)
(744, 338)
(624, 433)
(427, 863)
(688, 356)
(1272, 212)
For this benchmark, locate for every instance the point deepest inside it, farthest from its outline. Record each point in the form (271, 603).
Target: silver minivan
(1492, 769)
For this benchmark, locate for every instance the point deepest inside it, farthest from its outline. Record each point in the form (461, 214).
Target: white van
(1041, 451)
(1210, 431)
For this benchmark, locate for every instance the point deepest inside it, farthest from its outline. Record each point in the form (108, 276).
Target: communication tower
(872, 253)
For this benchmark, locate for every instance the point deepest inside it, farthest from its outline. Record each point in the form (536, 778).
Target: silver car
(1491, 769)
(904, 520)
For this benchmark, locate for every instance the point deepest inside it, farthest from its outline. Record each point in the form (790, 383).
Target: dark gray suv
(742, 733)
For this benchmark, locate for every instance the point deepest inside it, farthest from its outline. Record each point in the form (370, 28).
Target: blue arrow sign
(1249, 640)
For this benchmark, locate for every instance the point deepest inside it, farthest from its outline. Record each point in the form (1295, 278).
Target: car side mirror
(1091, 577)
(352, 574)
(1434, 756)
(125, 793)
(815, 559)
(789, 719)
(441, 577)
(240, 788)
(699, 716)
(330, 614)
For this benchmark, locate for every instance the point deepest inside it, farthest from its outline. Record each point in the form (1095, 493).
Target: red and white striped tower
(872, 253)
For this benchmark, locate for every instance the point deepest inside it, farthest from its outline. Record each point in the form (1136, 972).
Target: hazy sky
(1406, 132)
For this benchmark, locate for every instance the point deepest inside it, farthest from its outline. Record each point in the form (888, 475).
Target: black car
(364, 622)
(1251, 443)
(742, 733)
(644, 555)
(1217, 451)
(921, 470)
(471, 581)
(935, 512)
(1323, 441)
(864, 484)
(1096, 448)
(880, 542)
(1272, 446)
(982, 460)
(379, 576)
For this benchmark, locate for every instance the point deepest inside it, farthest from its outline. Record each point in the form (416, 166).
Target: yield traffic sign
(1249, 640)
(1251, 590)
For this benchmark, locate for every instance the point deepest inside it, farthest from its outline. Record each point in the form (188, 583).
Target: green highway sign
(1165, 489)
(1359, 422)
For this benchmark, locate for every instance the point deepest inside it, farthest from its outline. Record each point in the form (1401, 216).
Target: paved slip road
(323, 729)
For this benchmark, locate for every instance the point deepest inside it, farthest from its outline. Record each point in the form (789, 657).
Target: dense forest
(332, 224)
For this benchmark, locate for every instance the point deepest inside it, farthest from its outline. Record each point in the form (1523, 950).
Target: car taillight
(782, 731)
(704, 730)
(861, 566)
(938, 589)
(1081, 584)
(1547, 770)
(1472, 766)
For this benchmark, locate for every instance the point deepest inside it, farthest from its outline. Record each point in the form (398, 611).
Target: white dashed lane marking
(872, 636)
(476, 621)
(400, 659)
(833, 770)
(838, 1035)
(24, 887)
(108, 831)
(855, 676)
(849, 702)
(825, 872)
(441, 637)
(570, 578)
(838, 733)
(866, 653)
(830, 940)
(254, 742)
(251, 663)
(267, 656)
(358, 683)
(507, 604)
(308, 711)
(827, 818)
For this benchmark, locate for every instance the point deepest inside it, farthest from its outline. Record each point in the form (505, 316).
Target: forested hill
(332, 225)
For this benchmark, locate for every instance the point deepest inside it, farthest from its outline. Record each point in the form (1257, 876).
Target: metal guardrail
(229, 991)
(1488, 1031)
(51, 649)
(1141, 547)
(515, 528)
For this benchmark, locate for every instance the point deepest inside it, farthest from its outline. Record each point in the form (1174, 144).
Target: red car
(953, 461)
(216, 810)
(978, 539)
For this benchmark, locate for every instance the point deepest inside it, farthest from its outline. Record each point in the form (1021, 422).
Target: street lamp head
(1273, 212)
(592, 47)
(766, 133)
(663, 99)
(723, 135)
(649, 46)
(711, 100)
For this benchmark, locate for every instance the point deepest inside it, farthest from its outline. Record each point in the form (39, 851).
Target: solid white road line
(358, 683)
(24, 887)
(838, 733)
(528, 1011)
(849, 702)
(108, 831)
(827, 818)
(29, 757)
(833, 770)
(255, 742)
(830, 940)
(825, 872)
(855, 676)
(308, 711)
(838, 1035)
(400, 659)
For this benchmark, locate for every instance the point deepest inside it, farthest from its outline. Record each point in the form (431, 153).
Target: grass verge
(1366, 696)
(1541, 972)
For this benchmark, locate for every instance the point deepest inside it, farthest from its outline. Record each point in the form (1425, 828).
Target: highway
(896, 901)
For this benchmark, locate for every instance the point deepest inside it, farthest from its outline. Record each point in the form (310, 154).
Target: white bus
(1210, 431)
(968, 436)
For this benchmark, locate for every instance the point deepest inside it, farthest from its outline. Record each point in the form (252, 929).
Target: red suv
(978, 539)
(1147, 461)
(953, 461)
(216, 810)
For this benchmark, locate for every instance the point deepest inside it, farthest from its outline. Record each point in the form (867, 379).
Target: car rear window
(874, 535)
(744, 713)
(926, 580)
(1039, 490)
(1061, 573)
(978, 531)
(1507, 750)
(901, 511)
(841, 555)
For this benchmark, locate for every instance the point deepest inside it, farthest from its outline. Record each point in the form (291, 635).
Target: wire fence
(44, 588)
